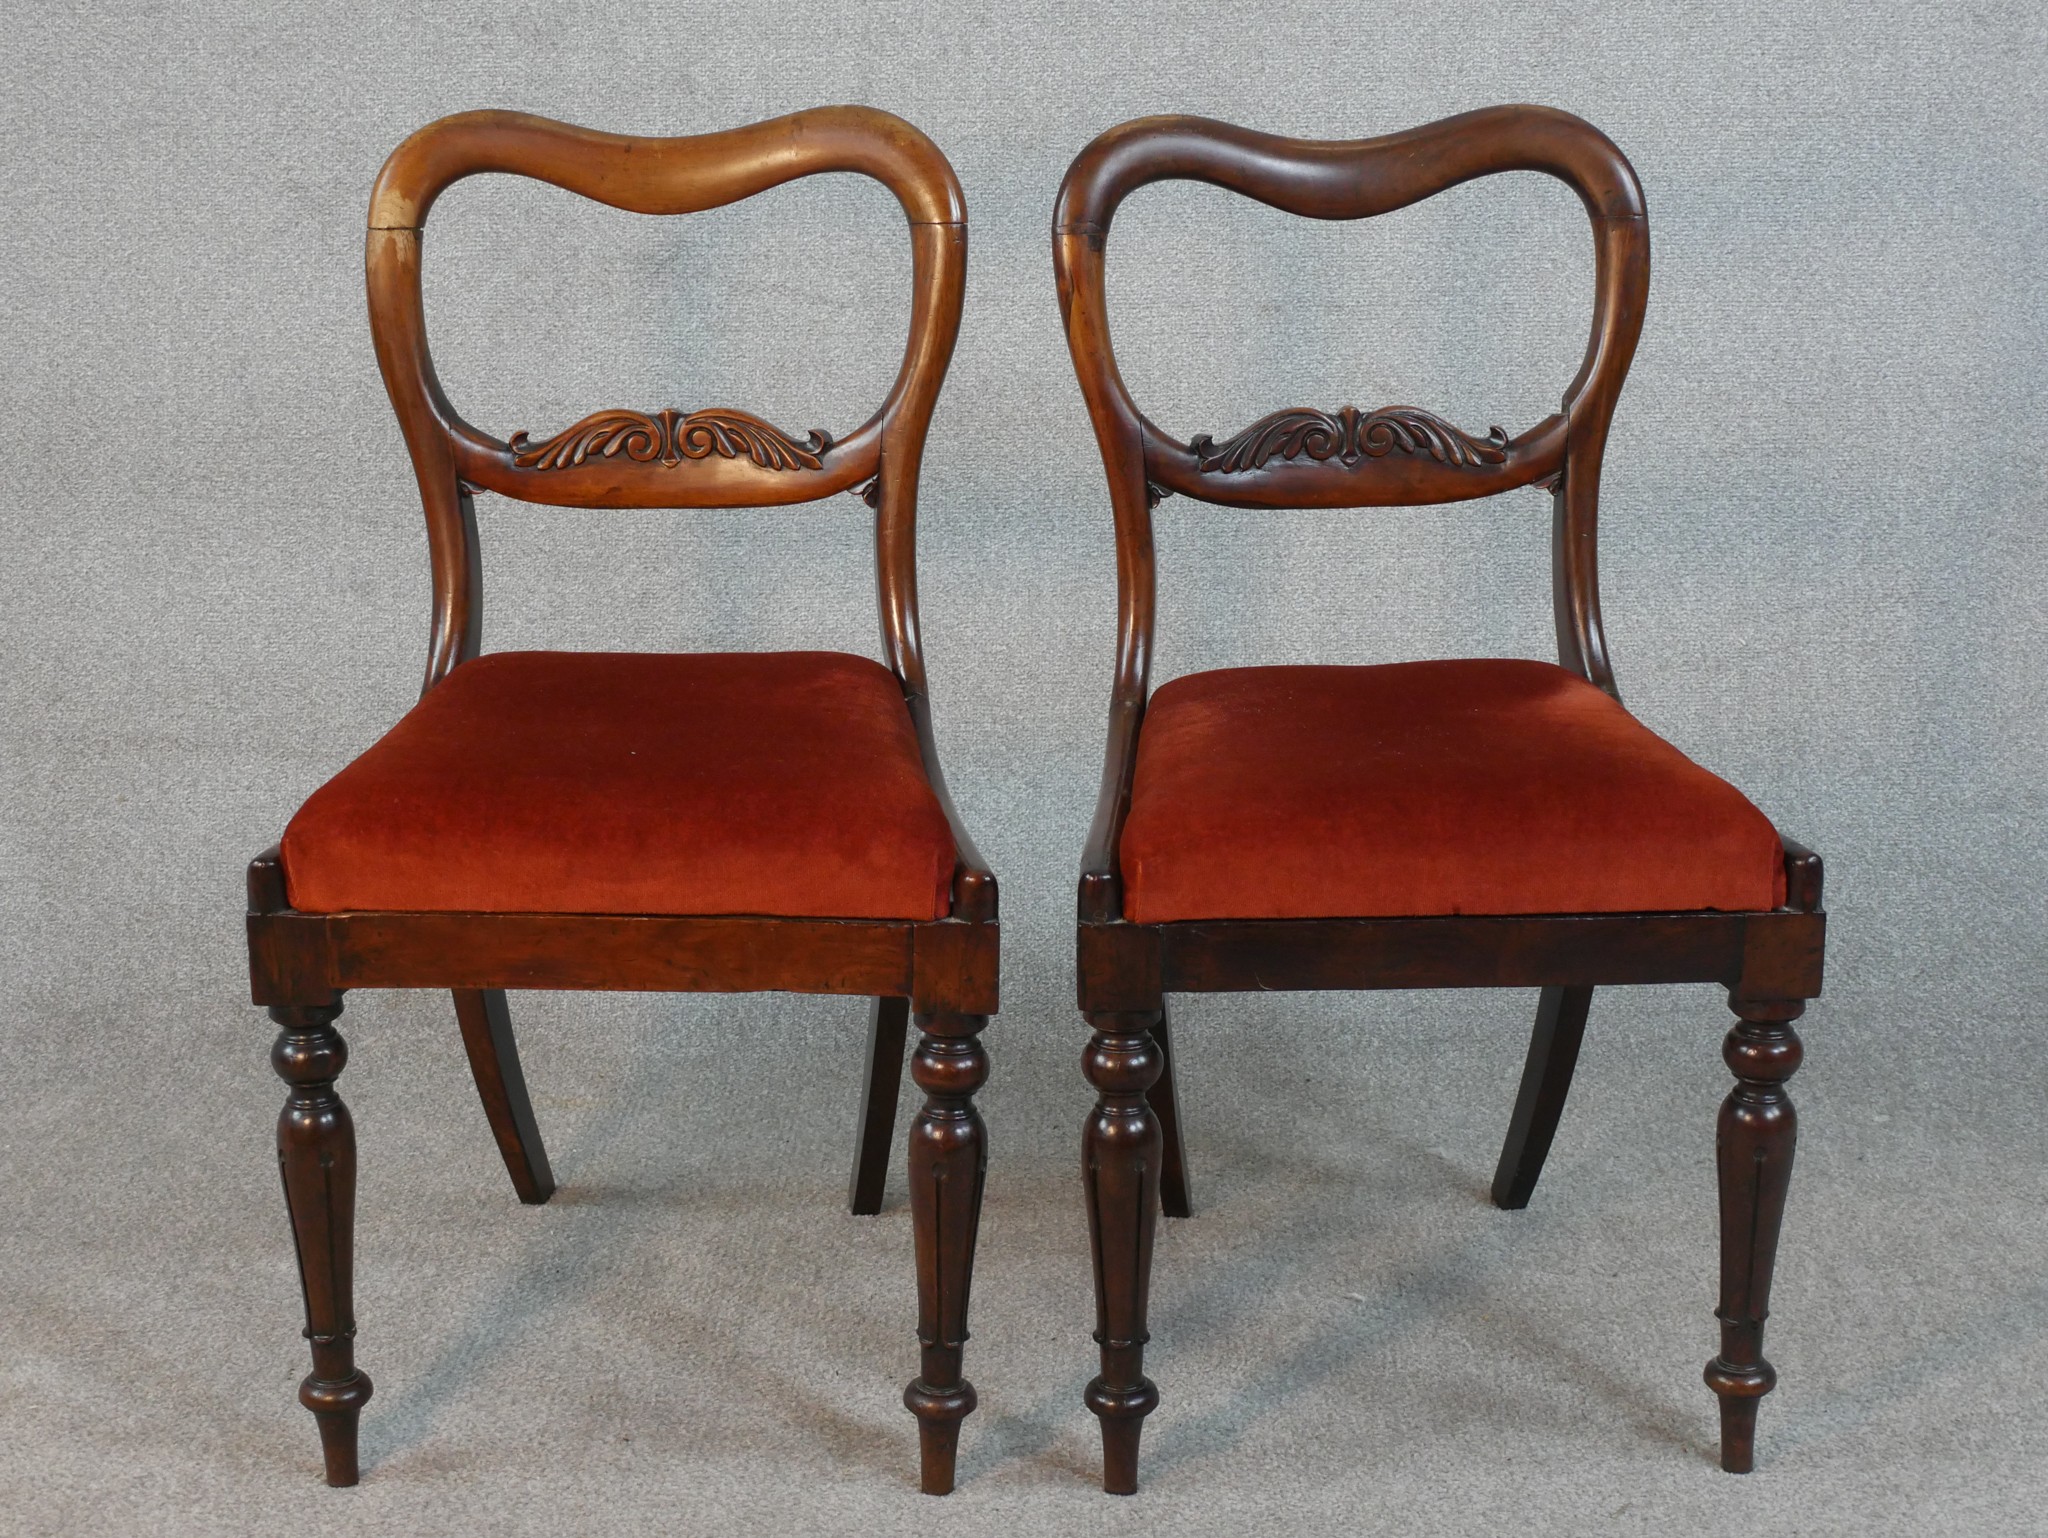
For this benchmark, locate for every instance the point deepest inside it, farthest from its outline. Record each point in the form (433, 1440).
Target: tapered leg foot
(948, 1162)
(1546, 1080)
(1164, 1098)
(336, 1408)
(1739, 1392)
(316, 1155)
(888, 1025)
(1754, 1146)
(939, 1413)
(486, 1023)
(1122, 1413)
(1120, 1162)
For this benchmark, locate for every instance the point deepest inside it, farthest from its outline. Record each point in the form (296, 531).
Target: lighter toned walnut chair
(718, 823)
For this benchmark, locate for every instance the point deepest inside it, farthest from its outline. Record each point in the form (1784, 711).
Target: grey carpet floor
(695, 1337)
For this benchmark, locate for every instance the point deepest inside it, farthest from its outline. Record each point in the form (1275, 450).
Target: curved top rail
(707, 457)
(682, 175)
(1347, 178)
(1414, 457)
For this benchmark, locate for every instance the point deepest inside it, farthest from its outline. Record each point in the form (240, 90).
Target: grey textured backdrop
(1823, 552)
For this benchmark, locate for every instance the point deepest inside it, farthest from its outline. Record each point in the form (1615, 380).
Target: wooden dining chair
(728, 822)
(1458, 824)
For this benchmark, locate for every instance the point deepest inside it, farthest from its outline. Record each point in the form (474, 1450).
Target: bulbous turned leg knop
(1756, 1135)
(316, 1155)
(948, 1163)
(1120, 1162)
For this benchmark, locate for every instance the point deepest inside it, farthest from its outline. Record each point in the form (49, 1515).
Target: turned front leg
(316, 1153)
(948, 1159)
(1754, 1155)
(1120, 1162)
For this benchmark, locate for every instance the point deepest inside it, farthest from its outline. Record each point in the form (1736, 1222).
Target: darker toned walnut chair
(1454, 824)
(717, 823)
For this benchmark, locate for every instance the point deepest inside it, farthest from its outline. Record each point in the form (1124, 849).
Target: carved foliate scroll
(1348, 437)
(669, 437)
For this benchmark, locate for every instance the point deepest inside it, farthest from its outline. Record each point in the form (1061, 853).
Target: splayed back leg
(888, 1027)
(494, 1062)
(1546, 1080)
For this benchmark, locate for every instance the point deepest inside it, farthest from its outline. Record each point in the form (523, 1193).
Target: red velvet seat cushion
(1426, 788)
(784, 783)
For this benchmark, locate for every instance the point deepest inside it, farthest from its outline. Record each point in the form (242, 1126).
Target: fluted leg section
(948, 1159)
(1120, 1163)
(1754, 1156)
(316, 1153)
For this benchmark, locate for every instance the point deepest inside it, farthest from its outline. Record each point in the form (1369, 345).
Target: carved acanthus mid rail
(1348, 437)
(670, 437)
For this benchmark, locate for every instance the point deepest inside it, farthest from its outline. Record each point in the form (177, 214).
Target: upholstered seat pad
(1483, 786)
(784, 783)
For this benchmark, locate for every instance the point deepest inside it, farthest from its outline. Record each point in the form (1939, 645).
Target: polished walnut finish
(944, 971)
(1770, 961)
